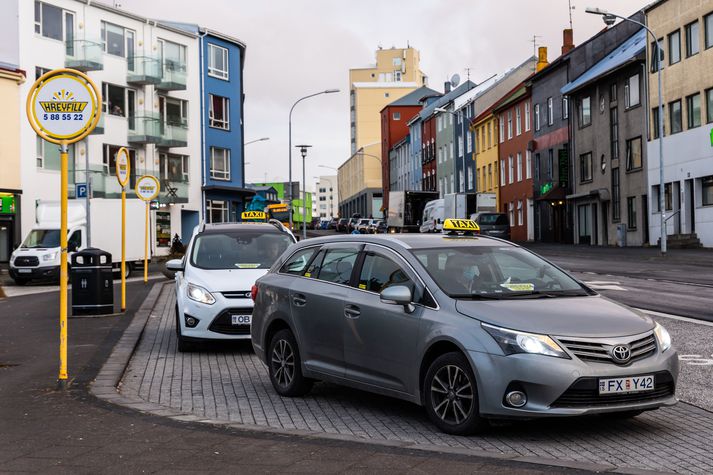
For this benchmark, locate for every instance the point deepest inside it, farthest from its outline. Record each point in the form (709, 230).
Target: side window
(379, 272)
(337, 265)
(297, 263)
(75, 240)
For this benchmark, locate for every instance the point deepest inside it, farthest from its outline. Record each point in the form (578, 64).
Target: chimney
(541, 58)
(567, 40)
(447, 86)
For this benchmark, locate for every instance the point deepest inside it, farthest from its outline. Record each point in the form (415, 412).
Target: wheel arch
(433, 351)
(277, 323)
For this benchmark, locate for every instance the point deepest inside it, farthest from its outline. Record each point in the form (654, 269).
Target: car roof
(412, 241)
(239, 227)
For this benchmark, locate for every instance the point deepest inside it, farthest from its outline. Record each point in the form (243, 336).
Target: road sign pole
(88, 205)
(147, 188)
(146, 244)
(123, 249)
(64, 174)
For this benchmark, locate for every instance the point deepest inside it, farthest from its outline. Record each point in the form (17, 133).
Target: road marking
(675, 317)
(604, 285)
(17, 291)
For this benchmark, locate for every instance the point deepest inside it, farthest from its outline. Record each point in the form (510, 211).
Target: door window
(335, 266)
(379, 272)
(297, 263)
(74, 243)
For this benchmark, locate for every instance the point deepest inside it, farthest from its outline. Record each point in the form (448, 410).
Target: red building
(394, 127)
(516, 195)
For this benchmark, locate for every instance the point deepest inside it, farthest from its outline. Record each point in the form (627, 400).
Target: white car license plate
(632, 384)
(24, 271)
(241, 319)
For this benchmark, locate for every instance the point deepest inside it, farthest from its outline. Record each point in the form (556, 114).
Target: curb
(107, 385)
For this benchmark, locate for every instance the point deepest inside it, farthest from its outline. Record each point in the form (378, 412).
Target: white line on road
(17, 291)
(676, 317)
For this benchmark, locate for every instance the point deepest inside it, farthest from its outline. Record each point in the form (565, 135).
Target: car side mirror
(175, 265)
(398, 295)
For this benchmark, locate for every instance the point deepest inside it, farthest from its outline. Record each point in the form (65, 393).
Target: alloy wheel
(283, 363)
(451, 394)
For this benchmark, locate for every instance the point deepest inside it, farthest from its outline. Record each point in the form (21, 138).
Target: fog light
(191, 322)
(516, 398)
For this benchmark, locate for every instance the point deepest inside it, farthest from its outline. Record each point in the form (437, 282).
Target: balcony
(84, 55)
(174, 135)
(174, 76)
(143, 70)
(99, 129)
(173, 191)
(145, 128)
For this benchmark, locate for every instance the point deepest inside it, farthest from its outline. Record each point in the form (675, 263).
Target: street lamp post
(289, 184)
(257, 140)
(609, 18)
(303, 151)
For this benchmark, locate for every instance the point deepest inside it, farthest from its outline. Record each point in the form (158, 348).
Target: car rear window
(495, 219)
(238, 250)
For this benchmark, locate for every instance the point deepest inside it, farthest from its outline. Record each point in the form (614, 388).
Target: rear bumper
(35, 273)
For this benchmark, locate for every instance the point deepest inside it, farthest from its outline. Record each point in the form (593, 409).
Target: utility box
(621, 235)
(92, 283)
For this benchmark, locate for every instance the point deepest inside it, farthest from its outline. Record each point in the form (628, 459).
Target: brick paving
(230, 385)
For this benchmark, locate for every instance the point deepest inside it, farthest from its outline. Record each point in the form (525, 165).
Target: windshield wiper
(479, 296)
(549, 294)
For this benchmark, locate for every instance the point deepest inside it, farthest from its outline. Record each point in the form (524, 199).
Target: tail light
(253, 292)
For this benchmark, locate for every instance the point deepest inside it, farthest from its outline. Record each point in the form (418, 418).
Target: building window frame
(550, 111)
(518, 121)
(632, 92)
(565, 107)
(220, 171)
(631, 213)
(585, 167)
(614, 132)
(219, 206)
(616, 195)
(632, 164)
(215, 70)
(707, 190)
(538, 124)
(693, 117)
(526, 106)
(518, 164)
(708, 31)
(528, 164)
(128, 36)
(675, 111)
(585, 112)
(693, 40)
(674, 46)
(218, 121)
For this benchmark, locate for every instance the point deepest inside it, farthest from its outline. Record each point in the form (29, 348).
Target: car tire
(451, 395)
(622, 415)
(285, 366)
(127, 270)
(184, 345)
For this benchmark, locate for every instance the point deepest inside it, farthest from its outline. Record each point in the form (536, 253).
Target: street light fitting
(257, 140)
(441, 109)
(303, 149)
(331, 91)
(609, 18)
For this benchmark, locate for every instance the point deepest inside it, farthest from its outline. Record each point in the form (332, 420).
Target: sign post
(63, 108)
(147, 188)
(123, 171)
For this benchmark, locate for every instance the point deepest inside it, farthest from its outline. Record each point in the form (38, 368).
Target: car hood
(591, 316)
(225, 280)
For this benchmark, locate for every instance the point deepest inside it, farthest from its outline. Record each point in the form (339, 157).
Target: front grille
(585, 393)
(237, 294)
(27, 261)
(223, 322)
(599, 351)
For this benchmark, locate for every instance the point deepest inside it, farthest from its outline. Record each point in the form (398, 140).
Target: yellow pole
(146, 246)
(123, 249)
(64, 175)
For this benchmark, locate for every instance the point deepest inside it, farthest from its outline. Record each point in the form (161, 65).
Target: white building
(326, 198)
(148, 74)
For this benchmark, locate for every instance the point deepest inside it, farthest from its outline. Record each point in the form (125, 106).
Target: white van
(432, 221)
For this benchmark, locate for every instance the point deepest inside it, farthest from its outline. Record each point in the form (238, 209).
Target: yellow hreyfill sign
(252, 215)
(460, 225)
(123, 166)
(147, 187)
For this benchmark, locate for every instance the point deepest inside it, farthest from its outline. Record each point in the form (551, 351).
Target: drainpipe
(202, 122)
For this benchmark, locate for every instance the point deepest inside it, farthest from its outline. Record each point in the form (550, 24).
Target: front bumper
(214, 321)
(567, 387)
(35, 273)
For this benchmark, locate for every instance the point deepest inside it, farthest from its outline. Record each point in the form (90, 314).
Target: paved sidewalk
(230, 386)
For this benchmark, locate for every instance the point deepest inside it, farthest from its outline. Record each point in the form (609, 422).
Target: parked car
(342, 225)
(493, 224)
(362, 225)
(469, 327)
(333, 224)
(373, 224)
(214, 278)
(353, 222)
(381, 227)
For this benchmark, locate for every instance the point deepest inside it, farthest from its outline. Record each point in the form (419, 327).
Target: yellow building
(10, 178)
(487, 167)
(395, 74)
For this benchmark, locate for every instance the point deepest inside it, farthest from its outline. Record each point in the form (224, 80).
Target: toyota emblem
(621, 353)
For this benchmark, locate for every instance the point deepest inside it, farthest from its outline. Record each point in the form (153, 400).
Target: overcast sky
(297, 47)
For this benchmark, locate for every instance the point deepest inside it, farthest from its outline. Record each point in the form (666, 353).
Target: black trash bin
(92, 283)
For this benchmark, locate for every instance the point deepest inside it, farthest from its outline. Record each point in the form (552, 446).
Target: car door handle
(299, 300)
(352, 311)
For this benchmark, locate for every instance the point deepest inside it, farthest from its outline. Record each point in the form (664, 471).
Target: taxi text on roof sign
(460, 225)
(253, 215)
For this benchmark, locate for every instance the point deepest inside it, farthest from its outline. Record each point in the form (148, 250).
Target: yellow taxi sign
(246, 215)
(460, 225)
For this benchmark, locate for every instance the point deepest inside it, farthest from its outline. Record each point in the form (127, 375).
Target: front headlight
(49, 257)
(513, 341)
(663, 337)
(199, 294)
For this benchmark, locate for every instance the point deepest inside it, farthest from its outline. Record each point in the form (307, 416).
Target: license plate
(241, 319)
(632, 384)
(24, 271)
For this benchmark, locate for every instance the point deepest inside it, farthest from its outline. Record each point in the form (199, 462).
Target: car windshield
(238, 249)
(495, 272)
(42, 238)
(495, 219)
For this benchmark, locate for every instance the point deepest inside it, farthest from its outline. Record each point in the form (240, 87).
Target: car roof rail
(277, 223)
(201, 227)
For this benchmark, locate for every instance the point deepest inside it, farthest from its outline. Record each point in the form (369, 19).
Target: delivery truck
(38, 257)
(455, 205)
(406, 210)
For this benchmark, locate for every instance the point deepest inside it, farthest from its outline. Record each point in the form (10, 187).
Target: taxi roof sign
(248, 215)
(466, 226)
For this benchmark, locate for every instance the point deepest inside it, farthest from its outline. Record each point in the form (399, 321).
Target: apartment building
(326, 197)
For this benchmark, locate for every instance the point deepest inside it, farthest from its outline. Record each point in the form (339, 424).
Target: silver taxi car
(470, 327)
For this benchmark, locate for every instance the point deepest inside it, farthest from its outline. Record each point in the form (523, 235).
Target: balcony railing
(143, 70)
(99, 129)
(105, 185)
(174, 76)
(173, 191)
(174, 135)
(84, 55)
(145, 128)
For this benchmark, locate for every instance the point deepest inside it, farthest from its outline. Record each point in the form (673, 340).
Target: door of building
(6, 238)
(690, 206)
(645, 213)
(530, 220)
(605, 224)
(584, 224)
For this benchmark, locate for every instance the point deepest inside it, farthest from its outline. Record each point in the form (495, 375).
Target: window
(501, 122)
(469, 142)
(509, 124)
(117, 40)
(668, 197)
(675, 116)
(585, 112)
(75, 240)
(585, 167)
(518, 121)
(396, 62)
(631, 212)
(490, 175)
(708, 26)
(218, 62)
(537, 117)
(490, 134)
(656, 124)
(537, 166)
(693, 110)
(217, 211)
(40, 71)
(220, 163)
(692, 39)
(519, 213)
(397, 76)
(511, 169)
(173, 111)
(614, 132)
(674, 47)
(118, 101)
(502, 172)
(655, 64)
(613, 92)
(631, 92)
(615, 196)
(707, 190)
(565, 107)
(333, 265)
(173, 167)
(219, 112)
(550, 164)
(709, 104)
(54, 23)
(47, 155)
(379, 272)
(633, 154)
(519, 166)
(511, 212)
(396, 116)
(528, 164)
(527, 117)
(550, 111)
